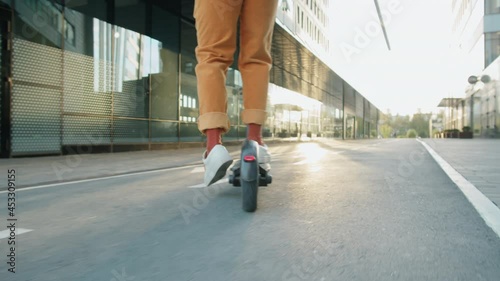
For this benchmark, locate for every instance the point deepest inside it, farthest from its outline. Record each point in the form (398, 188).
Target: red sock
(254, 133)
(213, 138)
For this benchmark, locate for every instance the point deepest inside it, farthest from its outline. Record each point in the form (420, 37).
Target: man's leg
(257, 25)
(216, 23)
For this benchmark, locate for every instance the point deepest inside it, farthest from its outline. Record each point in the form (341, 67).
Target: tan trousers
(216, 24)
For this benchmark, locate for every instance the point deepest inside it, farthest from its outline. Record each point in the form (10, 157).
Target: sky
(418, 71)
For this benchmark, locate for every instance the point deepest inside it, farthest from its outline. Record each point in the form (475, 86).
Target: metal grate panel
(82, 94)
(36, 120)
(133, 101)
(36, 98)
(36, 63)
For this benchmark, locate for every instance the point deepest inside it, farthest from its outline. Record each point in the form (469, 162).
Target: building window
(492, 46)
(492, 7)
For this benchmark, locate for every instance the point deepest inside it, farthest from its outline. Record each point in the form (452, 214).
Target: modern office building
(476, 30)
(118, 75)
(308, 21)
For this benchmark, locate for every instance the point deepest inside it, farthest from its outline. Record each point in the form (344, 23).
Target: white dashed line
(198, 170)
(100, 178)
(6, 233)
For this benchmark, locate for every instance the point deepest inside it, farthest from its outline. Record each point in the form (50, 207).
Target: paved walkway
(478, 160)
(53, 169)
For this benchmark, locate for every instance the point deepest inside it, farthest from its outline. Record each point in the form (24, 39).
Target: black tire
(249, 195)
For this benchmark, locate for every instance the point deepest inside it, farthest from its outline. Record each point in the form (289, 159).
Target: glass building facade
(118, 75)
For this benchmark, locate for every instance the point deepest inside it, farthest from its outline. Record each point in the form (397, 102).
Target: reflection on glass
(90, 8)
(164, 131)
(350, 126)
(165, 85)
(291, 114)
(492, 47)
(492, 7)
(188, 98)
(134, 58)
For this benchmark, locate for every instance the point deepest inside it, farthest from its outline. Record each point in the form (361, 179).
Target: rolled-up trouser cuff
(212, 120)
(253, 116)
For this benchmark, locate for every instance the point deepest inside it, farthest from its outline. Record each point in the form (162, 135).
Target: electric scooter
(249, 174)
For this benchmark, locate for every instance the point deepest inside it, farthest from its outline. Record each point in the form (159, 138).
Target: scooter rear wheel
(249, 175)
(250, 190)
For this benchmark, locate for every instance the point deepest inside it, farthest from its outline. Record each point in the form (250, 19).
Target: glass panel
(79, 130)
(165, 84)
(497, 112)
(350, 126)
(40, 22)
(232, 134)
(87, 69)
(131, 14)
(87, 82)
(359, 128)
(37, 79)
(187, 8)
(242, 132)
(338, 129)
(492, 7)
(1, 72)
(130, 131)
(164, 131)
(234, 88)
(492, 46)
(189, 109)
(476, 114)
(130, 66)
(190, 133)
(90, 8)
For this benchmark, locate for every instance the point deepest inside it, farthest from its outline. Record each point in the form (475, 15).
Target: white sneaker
(264, 155)
(216, 164)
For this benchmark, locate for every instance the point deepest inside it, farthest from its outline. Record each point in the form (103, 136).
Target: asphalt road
(369, 210)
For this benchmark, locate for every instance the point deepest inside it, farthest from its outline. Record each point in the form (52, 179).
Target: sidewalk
(32, 171)
(478, 160)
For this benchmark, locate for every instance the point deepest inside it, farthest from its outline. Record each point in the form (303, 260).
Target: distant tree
(401, 125)
(412, 133)
(420, 122)
(386, 131)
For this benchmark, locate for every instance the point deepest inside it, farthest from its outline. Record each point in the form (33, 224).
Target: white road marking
(486, 209)
(198, 170)
(100, 178)
(6, 233)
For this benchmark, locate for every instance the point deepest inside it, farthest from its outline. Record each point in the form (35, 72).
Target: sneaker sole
(221, 172)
